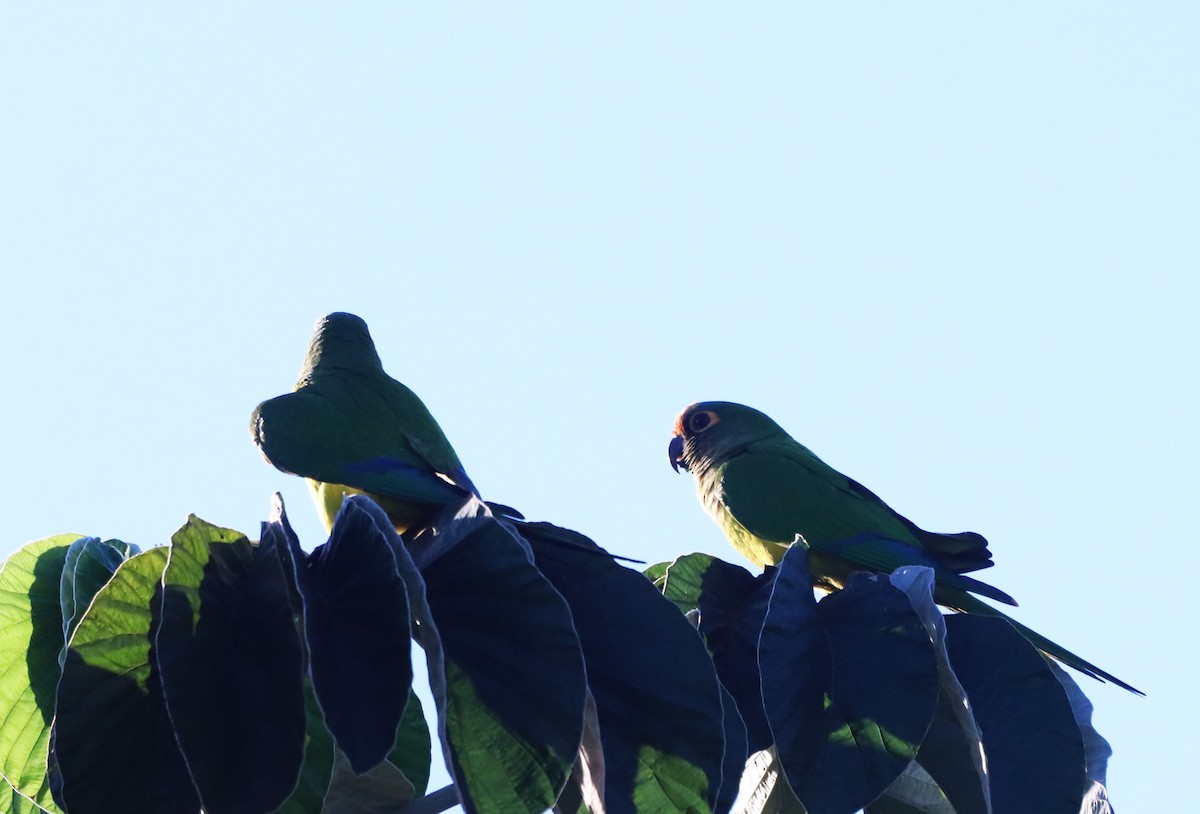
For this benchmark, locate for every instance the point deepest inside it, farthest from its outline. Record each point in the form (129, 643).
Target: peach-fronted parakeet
(766, 490)
(348, 428)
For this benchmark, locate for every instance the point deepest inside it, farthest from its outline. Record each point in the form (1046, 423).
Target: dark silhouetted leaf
(31, 641)
(356, 626)
(584, 791)
(410, 756)
(505, 666)
(114, 743)
(657, 697)
(951, 755)
(842, 734)
(732, 603)
(383, 787)
(913, 792)
(231, 666)
(1096, 750)
(1034, 748)
(733, 762)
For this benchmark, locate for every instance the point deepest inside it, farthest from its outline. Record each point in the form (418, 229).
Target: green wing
(779, 492)
(329, 436)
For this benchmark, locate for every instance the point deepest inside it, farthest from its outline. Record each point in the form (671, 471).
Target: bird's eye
(699, 422)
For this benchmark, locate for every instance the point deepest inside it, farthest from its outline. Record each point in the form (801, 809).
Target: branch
(434, 803)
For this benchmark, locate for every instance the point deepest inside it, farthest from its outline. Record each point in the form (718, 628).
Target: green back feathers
(341, 343)
(347, 422)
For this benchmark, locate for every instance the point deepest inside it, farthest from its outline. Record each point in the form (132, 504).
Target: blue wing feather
(387, 476)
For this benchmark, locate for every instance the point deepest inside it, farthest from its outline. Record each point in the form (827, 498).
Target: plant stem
(434, 803)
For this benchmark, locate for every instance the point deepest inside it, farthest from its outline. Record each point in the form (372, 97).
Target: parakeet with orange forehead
(766, 491)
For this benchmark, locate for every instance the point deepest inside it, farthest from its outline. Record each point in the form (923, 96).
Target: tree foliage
(247, 676)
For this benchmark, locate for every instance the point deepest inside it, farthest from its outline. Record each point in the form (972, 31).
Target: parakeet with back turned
(350, 428)
(766, 491)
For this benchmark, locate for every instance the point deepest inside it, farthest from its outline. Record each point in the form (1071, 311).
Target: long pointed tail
(969, 604)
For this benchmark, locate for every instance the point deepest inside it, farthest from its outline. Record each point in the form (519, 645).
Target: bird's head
(339, 341)
(711, 432)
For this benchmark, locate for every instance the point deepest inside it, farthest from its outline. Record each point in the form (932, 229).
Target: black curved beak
(676, 453)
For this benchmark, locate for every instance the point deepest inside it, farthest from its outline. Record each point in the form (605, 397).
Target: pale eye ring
(699, 422)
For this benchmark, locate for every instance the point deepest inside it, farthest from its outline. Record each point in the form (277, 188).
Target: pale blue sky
(953, 250)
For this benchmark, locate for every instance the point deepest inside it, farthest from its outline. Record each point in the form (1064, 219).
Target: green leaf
(232, 668)
(13, 803)
(90, 564)
(504, 660)
(656, 693)
(843, 735)
(356, 626)
(31, 639)
(666, 782)
(414, 747)
(315, 772)
(656, 573)
(409, 758)
(115, 747)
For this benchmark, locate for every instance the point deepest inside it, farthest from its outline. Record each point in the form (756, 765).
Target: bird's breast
(759, 551)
